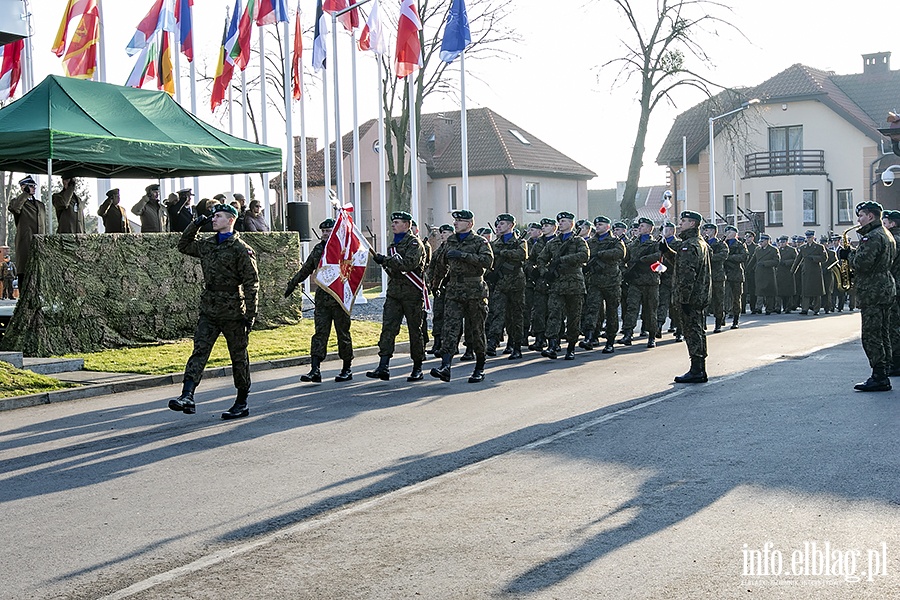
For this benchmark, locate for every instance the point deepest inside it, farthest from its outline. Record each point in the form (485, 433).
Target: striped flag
(145, 68)
(320, 41)
(160, 17)
(343, 263)
(350, 19)
(271, 11)
(244, 30)
(408, 58)
(297, 58)
(184, 16)
(10, 68)
(165, 71)
(372, 36)
(225, 67)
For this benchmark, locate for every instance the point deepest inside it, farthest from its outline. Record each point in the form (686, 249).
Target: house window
(774, 208)
(785, 146)
(810, 204)
(532, 197)
(729, 208)
(845, 206)
(451, 195)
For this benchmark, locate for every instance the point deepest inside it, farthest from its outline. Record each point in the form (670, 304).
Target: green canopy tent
(80, 128)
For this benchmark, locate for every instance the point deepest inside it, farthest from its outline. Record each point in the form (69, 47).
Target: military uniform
(531, 275)
(718, 254)
(828, 278)
(763, 263)
(564, 258)
(30, 217)
(541, 292)
(436, 273)
(734, 278)
(810, 257)
(872, 262)
(115, 219)
(784, 278)
(894, 327)
(153, 214)
(643, 287)
(8, 274)
(179, 213)
(750, 292)
(507, 301)
(666, 307)
(604, 283)
(69, 210)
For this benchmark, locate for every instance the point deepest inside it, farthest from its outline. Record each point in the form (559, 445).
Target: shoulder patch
(684, 247)
(250, 252)
(864, 239)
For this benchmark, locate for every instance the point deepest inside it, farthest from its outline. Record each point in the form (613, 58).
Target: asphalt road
(596, 478)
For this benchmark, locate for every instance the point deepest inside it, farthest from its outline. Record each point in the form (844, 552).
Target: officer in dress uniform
(30, 216)
(734, 274)
(115, 219)
(154, 214)
(69, 208)
(783, 275)
(809, 261)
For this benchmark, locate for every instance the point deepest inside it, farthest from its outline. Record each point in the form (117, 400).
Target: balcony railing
(787, 162)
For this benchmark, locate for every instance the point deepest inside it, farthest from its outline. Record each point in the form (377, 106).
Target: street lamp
(712, 157)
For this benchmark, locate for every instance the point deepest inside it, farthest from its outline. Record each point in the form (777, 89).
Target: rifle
(494, 233)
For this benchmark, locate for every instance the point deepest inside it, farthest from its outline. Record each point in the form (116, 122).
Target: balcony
(787, 162)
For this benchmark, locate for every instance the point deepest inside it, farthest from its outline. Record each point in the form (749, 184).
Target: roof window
(520, 137)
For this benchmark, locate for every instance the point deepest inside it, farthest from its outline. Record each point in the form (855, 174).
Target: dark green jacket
(605, 263)
(763, 264)
(465, 275)
(534, 269)
(784, 276)
(737, 257)
(229, 273)
(309, 267)
(565, 258)
(718, 254)
(693, 273)
(640, 257)
(509, 261)
(871, 263)
(405, 256)
(810, 258)
(895, 268)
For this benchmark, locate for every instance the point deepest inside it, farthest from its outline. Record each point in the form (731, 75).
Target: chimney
(443, 134)
(310, 145)
(879, 62)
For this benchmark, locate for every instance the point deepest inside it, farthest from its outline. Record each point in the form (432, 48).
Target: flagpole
(177, 50)
(327, 151)
(193, 76)
(103, 184)
(464, 123)
(413, 148)
(382, 179)
(338, 142)
(265, 126)
(29, 55)
(231, 123)
(356, 171)
(288, 181)
(245, 111)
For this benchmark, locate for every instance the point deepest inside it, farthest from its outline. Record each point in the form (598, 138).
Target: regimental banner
(343, 263)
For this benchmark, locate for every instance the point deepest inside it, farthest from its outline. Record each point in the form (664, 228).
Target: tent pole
(49, 196)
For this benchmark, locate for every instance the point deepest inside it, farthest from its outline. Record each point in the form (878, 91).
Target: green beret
(670, 224)
(644, 220)
(602, 219)
(548, 221)
(691, 214)
(582, 222)
(327, 224)
(506, 217)
(224, 208)
(565, 215)
(534, 225)
(401, 215)
(706, 226)
(446, 227)
(893, 215)
(873, 207)
(463, 215)
(483, 231)
(619, 225)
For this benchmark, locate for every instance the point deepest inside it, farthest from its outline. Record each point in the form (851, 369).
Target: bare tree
(659, 58)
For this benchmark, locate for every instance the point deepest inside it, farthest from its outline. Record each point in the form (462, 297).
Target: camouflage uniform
(563, 257)
(810, 257)
(604, 284)
(531, 275)
(228, 267)
(436, 273)
(895, 307)
(734, 278)
(541, 291)
(718, 254)
(466, 293)
(328, 310)
(692, 289)
(643, 285)
(872, 262)
(666, 306)
(507, 301)
(403, 298)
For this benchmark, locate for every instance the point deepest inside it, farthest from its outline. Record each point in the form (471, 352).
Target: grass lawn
(268, 344)
(19, 382)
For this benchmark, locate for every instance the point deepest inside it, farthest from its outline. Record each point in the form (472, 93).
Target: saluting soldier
(228, 305)
(783, 275)
(437, 273)
(872, 262)
(541, 287)
(643, 284)
(764, 263)
(564, 256)
(69, 208)
(507, 301)
(693, 275)
(115, 219)
(154, 214)
(405, 297)
(891, 220)
(734, 274)
(810, 257)
(30, 216)
(327, 311)
(604, 268)
(468, 256)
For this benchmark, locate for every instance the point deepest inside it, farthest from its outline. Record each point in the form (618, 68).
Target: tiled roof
(863, 100)
(493, 149)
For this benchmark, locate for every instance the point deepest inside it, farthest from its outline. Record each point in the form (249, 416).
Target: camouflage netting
(91, 292)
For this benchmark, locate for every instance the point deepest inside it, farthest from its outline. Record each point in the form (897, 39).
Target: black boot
(478, 373)
(538, 344)
(345, 374)
(416, 374)
(436, 347)
(626, 339)
(878, 382)
(696, 374)
(491, 348)
(587, 343)
(468, 354)
(651, 343)
(570, 351)
(508, 349)
(443, 372)
(609, 348)
(382, 371)
(314, 375)
(185, 402)
(550, 352)
(734, 322)
(516, 352)
(239, 408)
(719, 324)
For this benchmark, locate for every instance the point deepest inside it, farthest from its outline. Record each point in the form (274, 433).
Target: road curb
(140, 382)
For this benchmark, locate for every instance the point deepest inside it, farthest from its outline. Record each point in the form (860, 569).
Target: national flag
(296, 59)
(409, 50)
(666, 205)
(11, 69)
(350, 19)
(145, 68)
(271, 11)
(320, 39)
(73, 9)
(80, 59)
(184, 16)
(372, 36)
(244, 30)
(225, 66)
(456, 32)
(160, 17)
(165, 79)
(343, 263)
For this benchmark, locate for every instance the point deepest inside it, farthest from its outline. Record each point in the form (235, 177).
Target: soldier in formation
(563, 258)
(507, 299)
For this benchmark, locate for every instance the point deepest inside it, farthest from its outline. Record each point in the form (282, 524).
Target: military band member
(784, 277)
(764, 263)
(604, 268)
(734, 274)
(30, 217)
(872, 262)
(404, 264)
(541, 288)
(228, 305)
(468, 256)
(564, 257)
(692, 291)
(507, 300)
(810, 257)
(327, 311)
(643, 284)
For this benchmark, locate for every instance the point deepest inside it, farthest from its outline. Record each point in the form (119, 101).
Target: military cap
(446, 227)
(644, 220)
(548, 221)
(506, 217)
(463, 215)
(670, 224)
(893, 215)
(565, 215)
(730, 228)
(401, 215)
(483, 231)
(619, 225)
(327, 224)
(224, 208)
(153, 187)
(797, 238)
(810, 233)
(783, 238)
(750, 233)
(764, 236)
(27, 180)
(534, 225)
(869, 206)
(601, 219)
(691, 214)
(238, 196)
(219, 197)
(112, 192)
(186, 191)
(712, 226)
(581, 223)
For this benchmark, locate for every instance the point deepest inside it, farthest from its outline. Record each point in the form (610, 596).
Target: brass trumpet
(842, 273)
